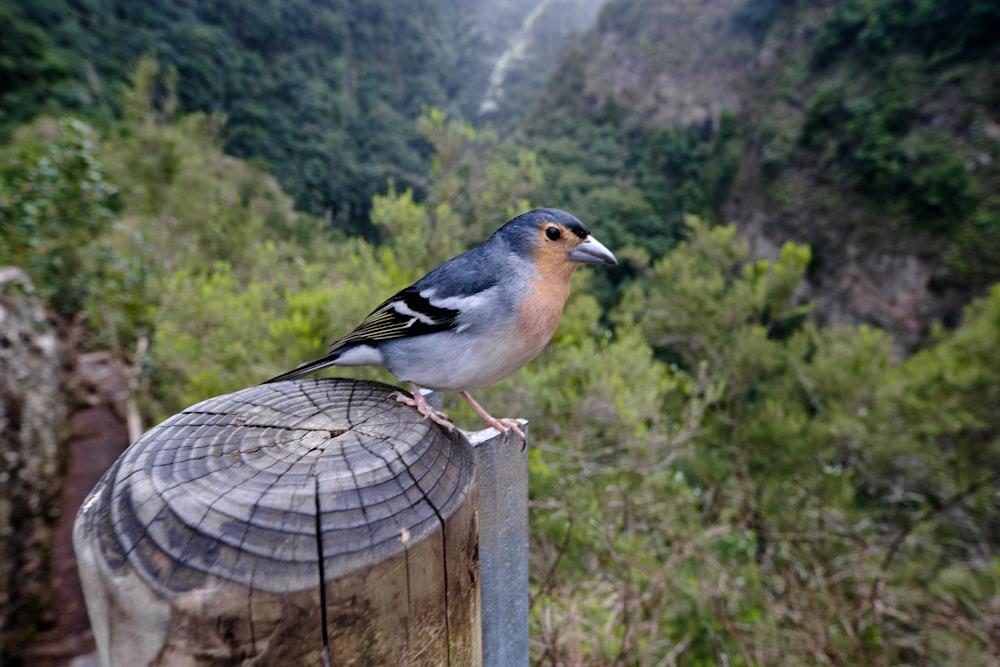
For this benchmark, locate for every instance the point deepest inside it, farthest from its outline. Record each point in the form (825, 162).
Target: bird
(476, 318)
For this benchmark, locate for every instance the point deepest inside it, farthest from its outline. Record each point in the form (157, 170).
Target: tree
(56, 206)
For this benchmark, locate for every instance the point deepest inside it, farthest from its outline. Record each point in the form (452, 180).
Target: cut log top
(260, 486)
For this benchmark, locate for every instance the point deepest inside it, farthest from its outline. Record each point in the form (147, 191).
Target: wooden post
(502, 475)
(295, 523)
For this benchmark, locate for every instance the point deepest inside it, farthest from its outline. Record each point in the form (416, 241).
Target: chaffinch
(476, 318)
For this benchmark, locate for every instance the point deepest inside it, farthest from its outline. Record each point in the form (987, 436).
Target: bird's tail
(327, 360)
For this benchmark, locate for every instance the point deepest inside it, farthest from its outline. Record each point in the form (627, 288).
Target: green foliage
(940, 31)
(218, 331)
(324, 92)
(476, 174)
(589, 163)
(770, 479)
(279, 73)
(934, 473)
(939, 421)
(878, 123)
(689, 169)
(973, 255)
(477, 182)
(185, 201)
(54, 199)
(29, 68)
(870, 145)
(181, 216)
(612, 520)
(734, 316)
(57, 209)
(753, 530)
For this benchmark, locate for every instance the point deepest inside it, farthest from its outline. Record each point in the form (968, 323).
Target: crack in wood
(321, 562)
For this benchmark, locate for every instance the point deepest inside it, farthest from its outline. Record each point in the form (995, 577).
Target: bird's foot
(507, 424)
(426, 409)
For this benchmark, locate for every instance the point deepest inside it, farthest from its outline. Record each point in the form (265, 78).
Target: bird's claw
(507, 424)
(426, 409)
(504, 424)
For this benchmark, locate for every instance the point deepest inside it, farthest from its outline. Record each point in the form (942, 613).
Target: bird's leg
(503, 424)
(426, 409)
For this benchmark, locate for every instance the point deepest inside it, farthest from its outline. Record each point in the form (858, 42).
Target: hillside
(865, 129)
(326, 93)
(874, 140)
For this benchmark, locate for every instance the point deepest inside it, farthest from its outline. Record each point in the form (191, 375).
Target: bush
(57, 210)
(870, 144)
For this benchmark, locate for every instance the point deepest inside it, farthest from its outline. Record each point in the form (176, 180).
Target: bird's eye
(553, 233)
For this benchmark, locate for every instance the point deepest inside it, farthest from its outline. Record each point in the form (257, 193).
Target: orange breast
(538, 315)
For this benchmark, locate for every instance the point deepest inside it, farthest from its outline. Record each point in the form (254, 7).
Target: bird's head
(556, 241)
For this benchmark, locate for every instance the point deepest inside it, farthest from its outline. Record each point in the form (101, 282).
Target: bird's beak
(592, 251)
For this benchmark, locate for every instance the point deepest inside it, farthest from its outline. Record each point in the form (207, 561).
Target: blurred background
(771, 436)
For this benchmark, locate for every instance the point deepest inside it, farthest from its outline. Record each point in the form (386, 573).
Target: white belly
(467, 365)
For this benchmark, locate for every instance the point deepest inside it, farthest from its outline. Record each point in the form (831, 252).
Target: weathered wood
(206, 542)
(502, 475)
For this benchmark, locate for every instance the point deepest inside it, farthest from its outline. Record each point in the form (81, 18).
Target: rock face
(860, 281)
(686, 65)
(686, 62)
(32, 419)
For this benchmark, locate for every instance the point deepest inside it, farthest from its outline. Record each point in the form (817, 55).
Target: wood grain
(220, 524)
